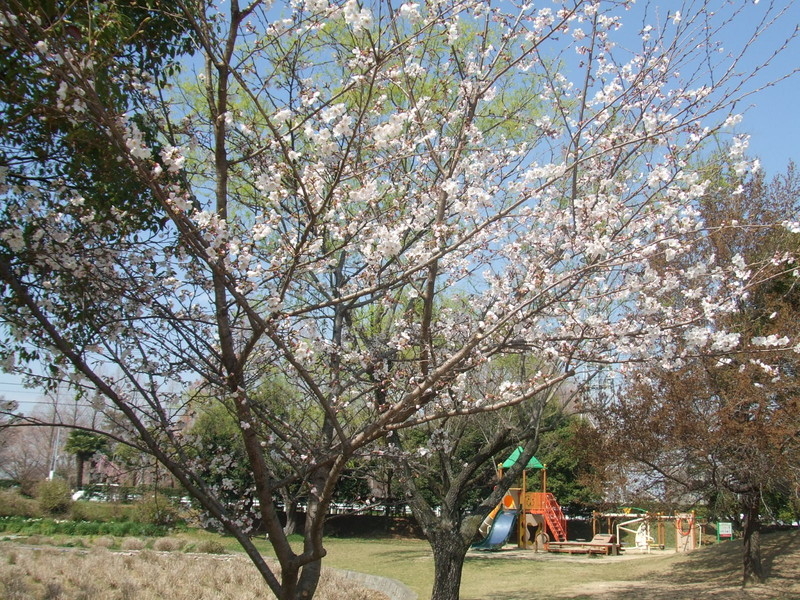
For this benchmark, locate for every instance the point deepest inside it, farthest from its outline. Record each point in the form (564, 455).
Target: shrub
(124, 529)
(14, 504)
(11, 524)
(210, 547)
(83, 510)
(85, 528)
(131, 544)
(115, 529)
(48, 527)
(107, 529)
(69, 528)
(105, 541)
(156, 509)
(168, 544)
(78, 512)
(54, 496)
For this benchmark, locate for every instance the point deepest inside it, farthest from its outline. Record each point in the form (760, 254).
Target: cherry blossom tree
(368, 201)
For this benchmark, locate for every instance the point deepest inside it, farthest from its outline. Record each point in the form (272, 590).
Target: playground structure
(536, 521)
(649, 530)
(535, 517)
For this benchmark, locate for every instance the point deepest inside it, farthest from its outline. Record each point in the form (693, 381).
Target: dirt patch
(512, 552)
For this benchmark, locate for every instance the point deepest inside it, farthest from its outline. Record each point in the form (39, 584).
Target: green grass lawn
(524, 575)
(485, 576)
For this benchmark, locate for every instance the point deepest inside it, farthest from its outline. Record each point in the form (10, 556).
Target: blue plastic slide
(502, 526)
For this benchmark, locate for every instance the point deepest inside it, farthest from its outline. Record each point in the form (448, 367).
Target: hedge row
(56, 527)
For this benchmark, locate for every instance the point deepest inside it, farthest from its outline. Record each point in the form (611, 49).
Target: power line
(60, 404)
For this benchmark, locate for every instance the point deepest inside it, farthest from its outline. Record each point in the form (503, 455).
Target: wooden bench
(602, 543)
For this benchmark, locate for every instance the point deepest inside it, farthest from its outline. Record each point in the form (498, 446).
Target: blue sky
(773, 116)
(774, 126)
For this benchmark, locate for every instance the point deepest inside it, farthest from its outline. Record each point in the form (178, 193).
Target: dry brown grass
(28, 573)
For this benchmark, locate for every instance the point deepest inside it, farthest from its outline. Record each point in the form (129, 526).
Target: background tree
(84, 445)
(30, 453)
(39, 148)
(221, 456)
(222, 460)
(368, 202)
(26, 457)
(725, 429)
(567, 447)
(448, 468)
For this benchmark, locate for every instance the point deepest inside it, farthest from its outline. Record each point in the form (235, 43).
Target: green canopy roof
(511, 461)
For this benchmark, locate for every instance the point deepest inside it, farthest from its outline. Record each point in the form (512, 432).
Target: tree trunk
(752, 570)
(290, 508)
(449, 550)
(79, 475)
(316, 511)
(291, 519)
(309, 580)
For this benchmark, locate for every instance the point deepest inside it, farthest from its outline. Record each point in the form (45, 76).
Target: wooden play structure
(540, 517)
(535, 517)
(649, 530)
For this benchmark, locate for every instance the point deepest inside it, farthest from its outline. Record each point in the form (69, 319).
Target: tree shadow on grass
(777, 548)
(711, 573)
(723, 562)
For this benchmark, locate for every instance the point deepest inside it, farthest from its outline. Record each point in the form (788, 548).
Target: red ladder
(554, 516)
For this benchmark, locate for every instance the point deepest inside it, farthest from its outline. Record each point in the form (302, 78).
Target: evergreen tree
(84, 445)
